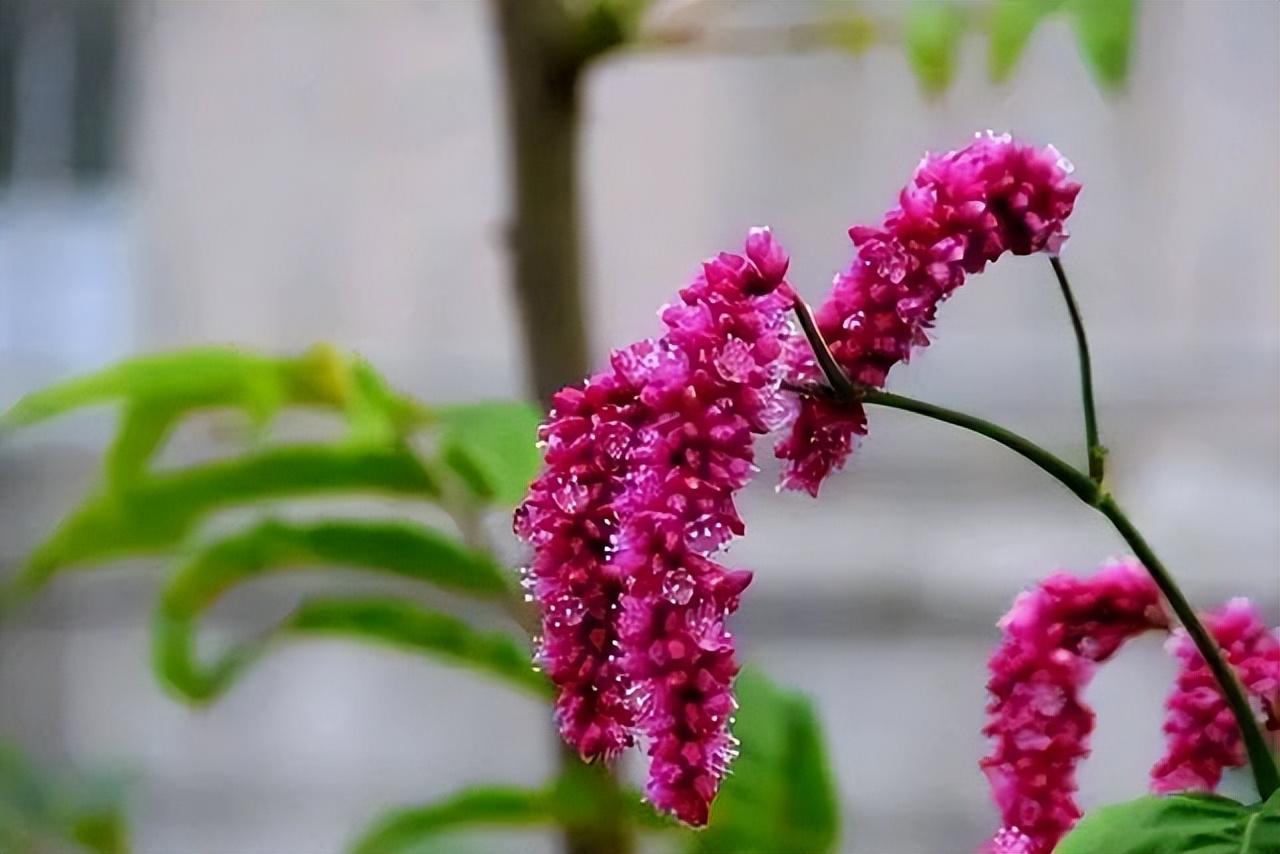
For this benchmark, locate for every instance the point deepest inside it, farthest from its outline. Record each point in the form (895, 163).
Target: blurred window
(58, 90)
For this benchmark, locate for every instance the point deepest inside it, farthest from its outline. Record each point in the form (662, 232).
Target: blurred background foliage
(470, 461)
(43, 812)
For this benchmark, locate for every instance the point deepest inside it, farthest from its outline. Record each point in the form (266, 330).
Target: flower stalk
(1097, 454)
(1089, 490)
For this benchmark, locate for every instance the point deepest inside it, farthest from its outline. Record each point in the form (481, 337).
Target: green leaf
(395, 548)
(577, 798)
(492, 447)
(398, 548)
(37, 807)
(158, 390)
(1011, 24)
(155, 514)
(781, 796)
(1104, 30)
(1178, 824)
(388, 622)
(413, 830)
(933, 32)
(202, 376)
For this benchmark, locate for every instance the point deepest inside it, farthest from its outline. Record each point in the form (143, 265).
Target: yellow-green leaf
(157, 391)
(1104, 30)
(933, 32)
(1011, 24)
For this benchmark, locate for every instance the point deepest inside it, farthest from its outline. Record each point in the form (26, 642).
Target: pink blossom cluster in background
(1053, 638)
(1038, 722)
(1201, 735)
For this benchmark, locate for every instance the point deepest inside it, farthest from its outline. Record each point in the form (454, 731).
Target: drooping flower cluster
(642, 463)
(962, 210)
(1201, 734)
(1039, 724)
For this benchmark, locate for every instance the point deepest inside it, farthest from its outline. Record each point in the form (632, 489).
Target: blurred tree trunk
(544, 54)
(543, 64)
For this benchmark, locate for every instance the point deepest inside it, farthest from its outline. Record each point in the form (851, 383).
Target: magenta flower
(962, 210)
(1202, 736)
(644, 460)
(1038, 722)
(642, 464)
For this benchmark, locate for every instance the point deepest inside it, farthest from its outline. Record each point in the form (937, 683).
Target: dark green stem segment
(1090, 491)
(831, 369)
(1097, 453)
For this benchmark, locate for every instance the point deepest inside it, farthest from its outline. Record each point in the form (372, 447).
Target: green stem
(1265, 773)
(1097, 453)
(1089, 491)
(830, 367)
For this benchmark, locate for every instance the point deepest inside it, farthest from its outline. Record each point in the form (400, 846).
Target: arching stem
(1097, 453)
(1090, 491)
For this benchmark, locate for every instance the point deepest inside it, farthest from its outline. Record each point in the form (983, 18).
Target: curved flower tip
(642, 464)
(770, 259)
(960, 211)
(1039, 725)
(1201, 735)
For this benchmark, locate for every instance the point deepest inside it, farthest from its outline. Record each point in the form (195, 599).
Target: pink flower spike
(1053, 638)
(1202, 737)
(642, 464)
(961, 210)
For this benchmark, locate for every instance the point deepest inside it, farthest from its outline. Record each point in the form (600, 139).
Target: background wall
(297, 171)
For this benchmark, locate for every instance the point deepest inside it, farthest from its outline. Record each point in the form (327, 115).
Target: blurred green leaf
(780, 796)
(385, 621)
(396, 548)
(1104, 30)
(1177, 824)
(602, 25)
(157, 391)
(37, 807)
(933, 33)
(1011, 24)
(154, 514)
(202, 377)
(852, 33)
(575, 799)
(414, 829)
(492, 447)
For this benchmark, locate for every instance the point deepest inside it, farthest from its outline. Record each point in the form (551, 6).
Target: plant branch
(1097, 453)
(840, 383)
(1087, 488)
